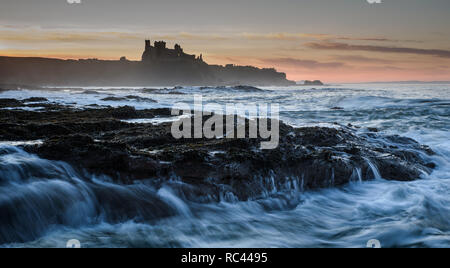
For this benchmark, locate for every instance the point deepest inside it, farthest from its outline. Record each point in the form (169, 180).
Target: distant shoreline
(402, 82)
(38, 71)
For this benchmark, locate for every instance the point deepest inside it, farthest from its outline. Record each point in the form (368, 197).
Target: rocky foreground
(97, 140)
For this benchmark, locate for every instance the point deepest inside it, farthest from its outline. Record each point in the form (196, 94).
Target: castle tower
(147, 55)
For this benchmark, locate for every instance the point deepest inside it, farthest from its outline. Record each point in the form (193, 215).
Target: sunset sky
(331, 40)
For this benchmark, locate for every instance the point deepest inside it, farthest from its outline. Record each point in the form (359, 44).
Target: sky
(330, 40)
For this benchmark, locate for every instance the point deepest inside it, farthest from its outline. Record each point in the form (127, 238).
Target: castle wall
(160, 52)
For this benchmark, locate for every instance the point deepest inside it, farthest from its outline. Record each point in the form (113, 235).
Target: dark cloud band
(384, 49)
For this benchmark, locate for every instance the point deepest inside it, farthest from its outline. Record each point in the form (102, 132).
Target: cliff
(57, 72)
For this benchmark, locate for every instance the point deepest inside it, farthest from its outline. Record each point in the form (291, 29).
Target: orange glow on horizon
(348, 73)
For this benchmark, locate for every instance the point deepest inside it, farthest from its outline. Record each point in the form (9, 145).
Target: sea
(47, 203)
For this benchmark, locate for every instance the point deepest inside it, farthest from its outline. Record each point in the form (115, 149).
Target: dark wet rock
(176, 93)
(211, 88)
(7, 103)
(109, 158)
(33, 102)
(243, 88)
(313, 83)
(96, 140)
(163, 91)
(247, 88)
(90, 92)
(94, 105)
(150, 90)
(140, 99)
(337, 108)
(27, 125)
(114, 99)
(35, 99)
(431, 165)
(372, 129)
(128, 98)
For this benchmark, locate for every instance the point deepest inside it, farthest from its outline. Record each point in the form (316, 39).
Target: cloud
(364, 39)
(372, 39)
(39, 35)
(283, 36)
(299, 63)
(357, 58)
(384, 49)
(374, 1)
(317, 36)
(36, 34)
(191, 36)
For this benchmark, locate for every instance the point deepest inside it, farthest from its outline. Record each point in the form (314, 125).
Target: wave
(45, 203)
(36, 195)
(373, 102)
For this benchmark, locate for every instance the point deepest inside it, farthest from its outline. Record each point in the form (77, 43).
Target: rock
(313, 83)
(109, 158)
(129, 97)
(140, 99)
(114, 99)
(162, 91)
(34, 102)
(150, 90)
(247, 88)
(90, 92)
(8, 103)
(97, 141)
(35, 99)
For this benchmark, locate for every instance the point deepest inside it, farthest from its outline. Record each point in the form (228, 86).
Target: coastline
(93, 72)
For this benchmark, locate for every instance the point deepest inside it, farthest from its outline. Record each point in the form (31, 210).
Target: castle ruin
(159, 52)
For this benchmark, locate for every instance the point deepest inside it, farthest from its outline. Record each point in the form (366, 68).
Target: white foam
(21, 143)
